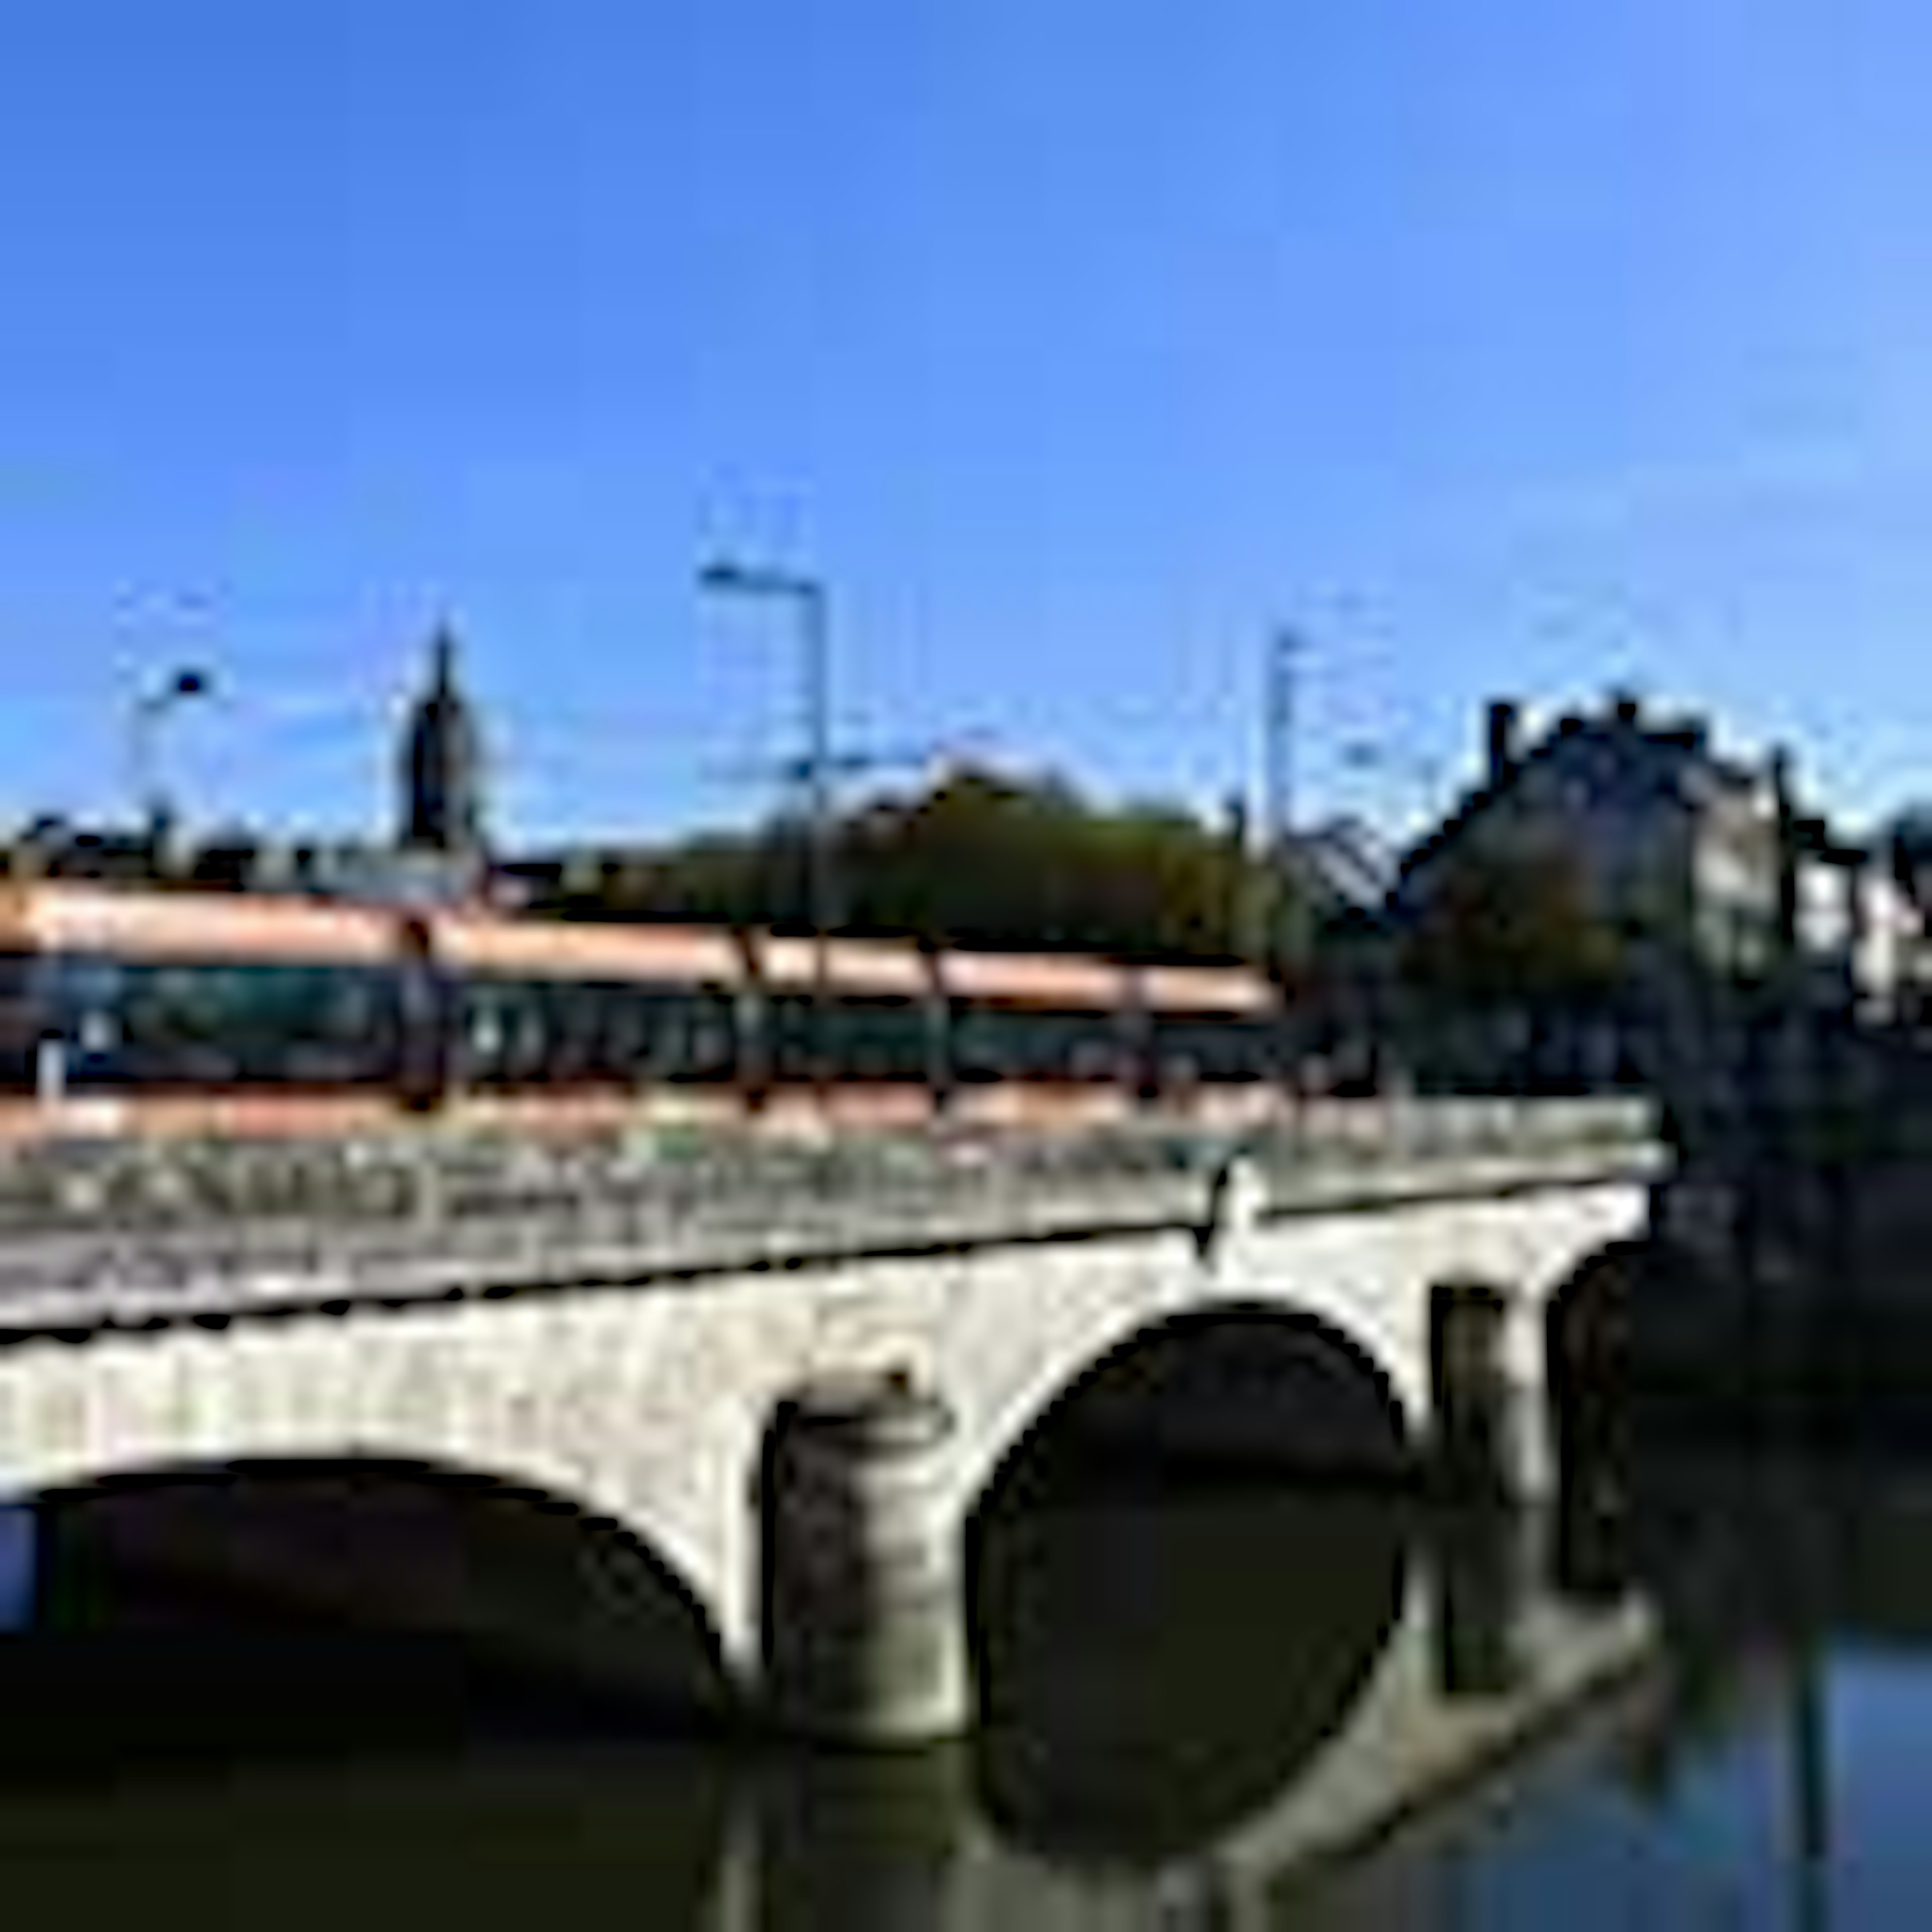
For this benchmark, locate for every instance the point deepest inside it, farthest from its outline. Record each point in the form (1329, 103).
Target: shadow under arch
(360, 1604)
(1640, 1320)
(1631, 1340)
(1169, 1622)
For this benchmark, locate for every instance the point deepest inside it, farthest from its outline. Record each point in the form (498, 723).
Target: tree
(1511, 928)
(981, 859)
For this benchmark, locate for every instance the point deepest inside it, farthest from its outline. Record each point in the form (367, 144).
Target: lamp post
(808, 599)
(1283, 908)
(144, 722)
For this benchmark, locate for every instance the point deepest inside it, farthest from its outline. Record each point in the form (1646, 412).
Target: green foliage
(1500, 929)
(982, 859)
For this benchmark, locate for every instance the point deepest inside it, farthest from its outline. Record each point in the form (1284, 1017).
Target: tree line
(981, 859)
(988, 860)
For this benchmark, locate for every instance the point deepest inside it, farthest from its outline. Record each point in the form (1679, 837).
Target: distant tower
(442, 763)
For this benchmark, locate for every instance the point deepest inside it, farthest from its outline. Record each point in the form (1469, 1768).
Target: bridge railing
(116, 1231)
(453, 1184)
(1408, 1128)
(451, 1180)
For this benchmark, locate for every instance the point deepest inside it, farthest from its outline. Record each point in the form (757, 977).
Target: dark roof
(1676, 752)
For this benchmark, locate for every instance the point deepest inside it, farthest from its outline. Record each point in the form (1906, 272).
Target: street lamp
(808, 597)
(144, 721)
(1282, 920)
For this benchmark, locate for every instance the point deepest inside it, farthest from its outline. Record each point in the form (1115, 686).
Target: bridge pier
(1484, 1401)
(863, 1636)
(1485, 1570)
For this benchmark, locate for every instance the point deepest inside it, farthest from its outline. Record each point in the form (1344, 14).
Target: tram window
(789, 1018)
(571, 1014)
(76, 999)
(874, 1038)
(995, 1042)
(483, 1039)
(218, 1023)
(655, 1034)
(710, 1038)
(1233, 1047)
(633, 1020)
(883, 1039)
(500, 1030)
(22, 1021)
(522, 1031)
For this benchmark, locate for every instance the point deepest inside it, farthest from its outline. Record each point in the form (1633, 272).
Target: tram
(155, 1011)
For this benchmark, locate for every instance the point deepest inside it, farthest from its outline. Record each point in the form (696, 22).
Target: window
(1217, 1046)
(21, 1022)
(866, 1038)
(1017, 1043)
(209, 1023)
(530, 1032)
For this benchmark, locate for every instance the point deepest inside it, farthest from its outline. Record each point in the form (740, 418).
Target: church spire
(442, 774)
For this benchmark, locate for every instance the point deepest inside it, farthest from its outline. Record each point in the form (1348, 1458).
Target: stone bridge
(623, 1342)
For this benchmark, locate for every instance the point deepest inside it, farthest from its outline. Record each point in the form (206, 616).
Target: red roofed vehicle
(1214, 1041)
(850, 1032)
(555, 1025)
(185, 1013)
(1039, 1039)
(142, 1010)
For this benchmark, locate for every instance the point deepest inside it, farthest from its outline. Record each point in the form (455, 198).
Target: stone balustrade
(125, 1233)
(452, 1179)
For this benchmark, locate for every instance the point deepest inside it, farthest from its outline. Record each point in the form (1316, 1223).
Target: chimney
(1627, 707)
(1785, 807)
(1505, 714)
(1782, 790)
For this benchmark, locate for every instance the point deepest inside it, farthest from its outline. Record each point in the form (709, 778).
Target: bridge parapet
(1384, 1150)
(116, 1233)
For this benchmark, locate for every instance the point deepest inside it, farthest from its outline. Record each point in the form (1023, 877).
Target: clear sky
(1499, 346)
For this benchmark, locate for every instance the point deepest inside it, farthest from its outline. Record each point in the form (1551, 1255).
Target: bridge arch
(1127, 1646)
(1643, 1310)
(566, 1402)
(1239, 1382)
(532, 1585)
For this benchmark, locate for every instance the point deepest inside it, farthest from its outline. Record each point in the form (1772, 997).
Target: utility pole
(809, 601)
(1284, 906)
(144, 722)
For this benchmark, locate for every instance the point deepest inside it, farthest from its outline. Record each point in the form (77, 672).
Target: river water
(1188, 1687)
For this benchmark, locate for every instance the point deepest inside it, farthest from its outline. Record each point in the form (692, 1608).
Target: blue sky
(1496, 347)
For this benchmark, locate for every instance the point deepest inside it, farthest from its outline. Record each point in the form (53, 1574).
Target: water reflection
(868, 1844)
(499, 1840)
(1193, 1692)
(1480, 1553)
(1157, 1664)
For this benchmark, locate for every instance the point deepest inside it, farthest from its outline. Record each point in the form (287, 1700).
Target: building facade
(1695, 871)
(1677, 852)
